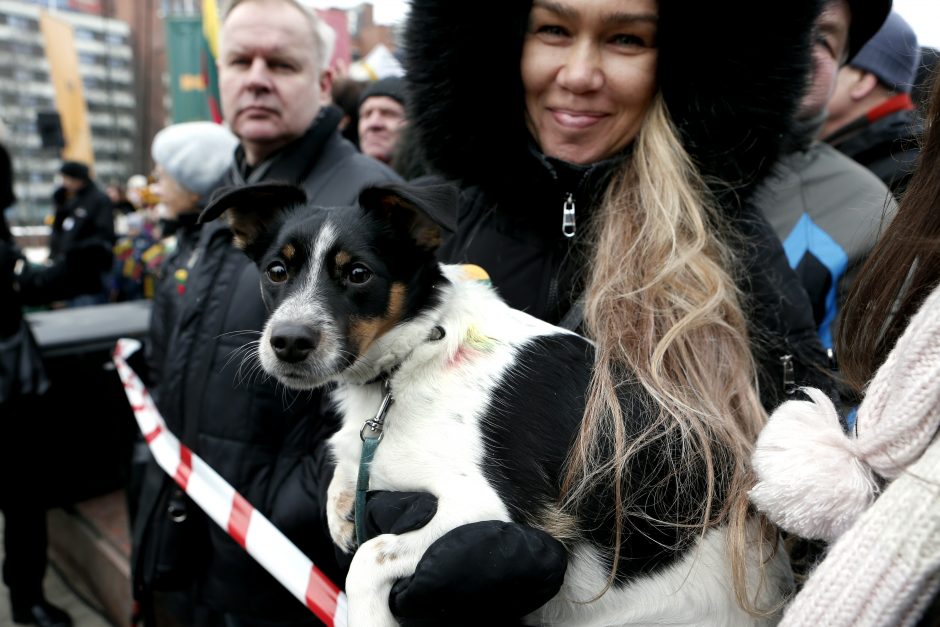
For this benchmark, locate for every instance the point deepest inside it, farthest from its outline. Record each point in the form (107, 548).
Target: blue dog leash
(371, 434)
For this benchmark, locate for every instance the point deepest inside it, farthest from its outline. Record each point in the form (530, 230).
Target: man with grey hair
(273, 76)
(268, 443)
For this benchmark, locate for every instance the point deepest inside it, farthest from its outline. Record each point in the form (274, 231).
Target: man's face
(830, 48)
(72, 184)
(269, 75)
(380, 122)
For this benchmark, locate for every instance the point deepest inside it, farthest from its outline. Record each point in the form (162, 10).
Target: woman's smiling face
(589, 72)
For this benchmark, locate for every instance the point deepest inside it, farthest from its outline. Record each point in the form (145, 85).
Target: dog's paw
(374, 569)
(340, 518)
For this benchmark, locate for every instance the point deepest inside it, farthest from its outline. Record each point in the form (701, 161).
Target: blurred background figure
(382, 118)
(826, 208)
(139, 193)
(871, 117)
(82, 236)
(119, 201)
(22, 381)
(128, 279)
(346, 95)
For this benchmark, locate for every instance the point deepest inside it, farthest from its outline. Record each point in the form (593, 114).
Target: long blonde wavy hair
(662, 307)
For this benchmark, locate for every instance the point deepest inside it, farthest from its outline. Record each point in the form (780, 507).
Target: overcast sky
(924, 18)
(923, 15)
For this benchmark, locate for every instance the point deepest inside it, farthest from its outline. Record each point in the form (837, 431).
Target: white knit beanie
(814, 480)
(195, 154)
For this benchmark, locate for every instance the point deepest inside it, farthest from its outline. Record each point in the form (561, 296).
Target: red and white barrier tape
(228, 508)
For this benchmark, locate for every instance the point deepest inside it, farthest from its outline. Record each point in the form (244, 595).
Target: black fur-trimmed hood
(731, 73)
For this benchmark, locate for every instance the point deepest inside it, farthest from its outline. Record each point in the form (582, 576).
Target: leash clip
(373, 429)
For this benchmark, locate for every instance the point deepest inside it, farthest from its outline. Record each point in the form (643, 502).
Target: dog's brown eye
(276, 272)
(359, 274)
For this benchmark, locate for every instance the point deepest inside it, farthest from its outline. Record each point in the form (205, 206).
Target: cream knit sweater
(884, 565)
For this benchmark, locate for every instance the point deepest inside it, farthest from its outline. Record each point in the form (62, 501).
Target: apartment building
(26, 89)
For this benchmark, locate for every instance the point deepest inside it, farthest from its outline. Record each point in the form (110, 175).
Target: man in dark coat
(871, 117)
(22, 381)
(269, 443)
(82, 235)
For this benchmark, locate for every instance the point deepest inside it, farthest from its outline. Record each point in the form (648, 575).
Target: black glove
(484, 573)
(393, 512)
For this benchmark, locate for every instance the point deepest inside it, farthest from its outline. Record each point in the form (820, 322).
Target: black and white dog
(485, 403)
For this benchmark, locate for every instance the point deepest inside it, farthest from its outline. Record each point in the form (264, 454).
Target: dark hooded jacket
(731, 88)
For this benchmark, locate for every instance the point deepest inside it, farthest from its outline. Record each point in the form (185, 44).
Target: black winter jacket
(170, 286)
(86, 218)
(887, 145)
(268, 442)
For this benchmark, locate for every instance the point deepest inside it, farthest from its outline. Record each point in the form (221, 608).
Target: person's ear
(863, 85)
(253, 212)
(326, 86)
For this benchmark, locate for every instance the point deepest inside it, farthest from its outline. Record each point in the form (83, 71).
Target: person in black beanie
(82, 236)
(21, 381)
(382, 118)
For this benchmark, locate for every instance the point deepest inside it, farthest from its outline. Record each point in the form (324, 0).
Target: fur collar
(731, 73)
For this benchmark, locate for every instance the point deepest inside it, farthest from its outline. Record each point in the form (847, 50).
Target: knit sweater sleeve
(886, 567)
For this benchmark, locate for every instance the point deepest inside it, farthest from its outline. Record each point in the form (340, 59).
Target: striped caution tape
(228, 508)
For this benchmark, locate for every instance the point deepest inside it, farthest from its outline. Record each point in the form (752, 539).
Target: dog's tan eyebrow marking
(342, 258)
(288, 251)
(364, 331)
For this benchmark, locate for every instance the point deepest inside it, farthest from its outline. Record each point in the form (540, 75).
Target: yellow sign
(192, 82)
(59, 41)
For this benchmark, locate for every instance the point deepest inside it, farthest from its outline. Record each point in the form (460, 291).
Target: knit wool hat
(392, 87)
(76, 170)
(195, 154)
(892, 55)
(867, 18)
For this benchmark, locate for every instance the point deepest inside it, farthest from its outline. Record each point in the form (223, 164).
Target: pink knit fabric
(886, 567)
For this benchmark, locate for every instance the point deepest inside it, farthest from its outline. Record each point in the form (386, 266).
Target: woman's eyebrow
(610, 18)
(630, 18)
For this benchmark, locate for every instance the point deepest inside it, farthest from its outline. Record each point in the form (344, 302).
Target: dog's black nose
(293, 342)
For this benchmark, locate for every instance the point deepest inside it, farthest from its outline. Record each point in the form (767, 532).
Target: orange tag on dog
(471, 272)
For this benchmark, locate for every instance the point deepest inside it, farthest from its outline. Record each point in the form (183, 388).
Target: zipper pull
(568, 217)
(789, 377)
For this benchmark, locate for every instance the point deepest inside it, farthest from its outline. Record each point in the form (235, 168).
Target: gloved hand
(484, 573)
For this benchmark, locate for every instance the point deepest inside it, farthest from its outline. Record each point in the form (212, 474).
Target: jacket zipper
(568, 218)
(568, 228)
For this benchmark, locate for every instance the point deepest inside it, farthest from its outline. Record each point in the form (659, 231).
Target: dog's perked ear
(422, 213)
(252, 209)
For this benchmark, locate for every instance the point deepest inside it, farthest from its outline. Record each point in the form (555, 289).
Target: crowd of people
(738, 203)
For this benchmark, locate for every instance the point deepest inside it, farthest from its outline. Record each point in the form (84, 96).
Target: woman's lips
(576, 119)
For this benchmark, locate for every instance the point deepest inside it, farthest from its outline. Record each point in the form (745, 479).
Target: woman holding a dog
(607, 152)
